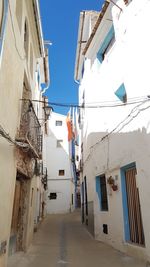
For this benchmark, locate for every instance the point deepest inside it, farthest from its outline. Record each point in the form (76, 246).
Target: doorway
(19, 215)
(134, 232)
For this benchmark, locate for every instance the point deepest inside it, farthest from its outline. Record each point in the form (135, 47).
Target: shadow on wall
(103, 155)
(117, 149)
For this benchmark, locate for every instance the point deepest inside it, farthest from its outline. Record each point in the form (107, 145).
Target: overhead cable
(103, 104)
(128, 119)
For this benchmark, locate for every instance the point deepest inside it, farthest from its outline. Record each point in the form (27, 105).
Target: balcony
(30, 129)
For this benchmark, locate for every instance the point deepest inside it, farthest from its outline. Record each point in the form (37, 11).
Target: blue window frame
(101, 190)
(121, 93)
(82, 69)
(106, 45)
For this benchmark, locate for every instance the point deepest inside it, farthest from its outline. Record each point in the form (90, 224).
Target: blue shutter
(121, 93)
(105, 44)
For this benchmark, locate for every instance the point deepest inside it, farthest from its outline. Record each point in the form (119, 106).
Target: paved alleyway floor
(62, 240)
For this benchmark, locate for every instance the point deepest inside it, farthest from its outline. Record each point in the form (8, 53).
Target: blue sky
(60, 20)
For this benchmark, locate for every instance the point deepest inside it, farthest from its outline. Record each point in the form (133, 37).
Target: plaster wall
(62, 204)
(116, 136)
(58, 158)
(15, 65)
(9, 113)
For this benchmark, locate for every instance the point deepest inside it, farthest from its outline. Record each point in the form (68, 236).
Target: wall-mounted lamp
(47, 110)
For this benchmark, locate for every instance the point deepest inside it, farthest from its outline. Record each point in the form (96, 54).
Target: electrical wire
(5, 135)
(104, 104)
(128, 119)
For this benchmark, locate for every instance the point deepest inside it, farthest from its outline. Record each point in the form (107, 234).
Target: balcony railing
(30, 129)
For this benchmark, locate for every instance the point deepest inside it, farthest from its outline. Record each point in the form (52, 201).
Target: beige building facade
(23, 67)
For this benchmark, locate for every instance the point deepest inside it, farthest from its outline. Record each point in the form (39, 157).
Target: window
(52, 195)
(77, 158)
(61, 172)
(106, 45)
(31, 61)
(58, 123)
(121, 93)
(105, 229)
(82, 69)
(102, 192)
(59, 143)
(72, 199)
(26, 38)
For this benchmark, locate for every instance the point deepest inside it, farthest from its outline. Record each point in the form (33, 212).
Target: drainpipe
(46, 67)
(80, 44)
(3, 26)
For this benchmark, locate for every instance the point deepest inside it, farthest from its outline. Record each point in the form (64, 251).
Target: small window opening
(52, 195)
(59, 143)
(26, 38)
(103, 189)
(58, 123)
(61, 172)
(105, 229)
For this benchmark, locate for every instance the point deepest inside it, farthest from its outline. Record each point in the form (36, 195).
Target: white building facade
(114, 124)
(60, 193)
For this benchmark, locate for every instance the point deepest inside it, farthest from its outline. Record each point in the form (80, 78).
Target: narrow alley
(63, 241)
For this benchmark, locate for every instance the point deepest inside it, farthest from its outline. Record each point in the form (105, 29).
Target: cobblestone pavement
(63, 241)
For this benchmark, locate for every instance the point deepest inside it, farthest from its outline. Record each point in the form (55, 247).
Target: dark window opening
(58, 123)
(59, 143)
(105, 229)
(61, 172)
(26, 38)
(103, 190)
(52, 196)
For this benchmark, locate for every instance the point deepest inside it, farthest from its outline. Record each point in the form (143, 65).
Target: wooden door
(134, 209)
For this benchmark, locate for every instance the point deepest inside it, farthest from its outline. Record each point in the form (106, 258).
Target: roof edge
(101, 15)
